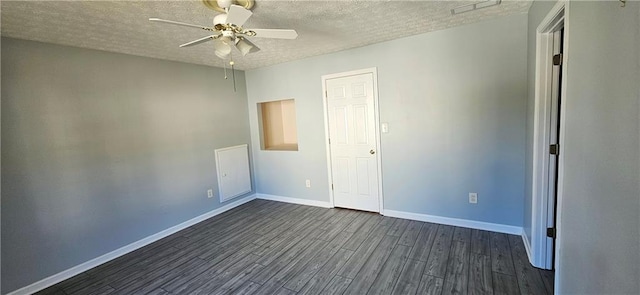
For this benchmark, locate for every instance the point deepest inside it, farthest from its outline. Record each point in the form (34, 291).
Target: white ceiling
(323, 26)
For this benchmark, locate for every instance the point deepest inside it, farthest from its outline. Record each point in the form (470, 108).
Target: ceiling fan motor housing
(220, 19)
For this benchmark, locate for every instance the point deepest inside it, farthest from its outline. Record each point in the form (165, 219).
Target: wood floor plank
(430, 285)
(133, 258)
(137, 281)
(480, 242)
(235, 283)
(104, 290)
(278, 216)
(217, 231)
(337, 227)
(186, 275)
(360, 219)
(390, 272)
(129, 270)
(196, 265)
(241, 230)
(505, 284)
(311, 250)
(248, 288)
(398, 228)
(362, 254)
(547, 279)
(462, 234)
(327, 214)
(336, 218)
(292, 268)
(480, 275)
(286, 258)
(409, 279)
(158, 292)
(529, 278)
(370, 270)
(410, 235)
(279, 249)
(320, 280)
(439, 255)
(287, 223)
(215, 277)
(238, 271)
(76, 280)
(362, 233)
(424, 243)
(214, 269)
(387, 221)
(501, 254)
(282, 291)
(297, 282)
(337, 286)
(53, 290)
(457, 278)
(277, 246)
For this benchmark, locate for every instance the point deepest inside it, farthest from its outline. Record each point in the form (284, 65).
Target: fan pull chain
(233, 72)
(224, 65)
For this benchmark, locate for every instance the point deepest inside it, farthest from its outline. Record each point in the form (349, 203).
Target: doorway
(547, 145)
(351, 120)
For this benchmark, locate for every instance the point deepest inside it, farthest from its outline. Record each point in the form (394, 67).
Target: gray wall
(455, 101)
(101, 149)
(599, 242)
(537, 12)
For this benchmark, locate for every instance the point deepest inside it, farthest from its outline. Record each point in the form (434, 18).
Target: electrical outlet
(307, 183)
(473, 198)
(210, 193)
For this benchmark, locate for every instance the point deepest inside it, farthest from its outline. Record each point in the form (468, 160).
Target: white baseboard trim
(61, 276)
(495, 227)
(294, 200)
(527, 247)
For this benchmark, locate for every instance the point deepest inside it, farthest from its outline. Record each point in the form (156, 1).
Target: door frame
(374, 72)
(540, 255)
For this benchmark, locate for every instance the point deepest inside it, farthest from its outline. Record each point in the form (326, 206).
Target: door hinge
(332, 186)
(329, 140)
(554, 149)
(557, 59)
(326, 95)
(551, 232)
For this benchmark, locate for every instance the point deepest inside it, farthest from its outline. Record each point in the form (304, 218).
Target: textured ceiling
(323, 26)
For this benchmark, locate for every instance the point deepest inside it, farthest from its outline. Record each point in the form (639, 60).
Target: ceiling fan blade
(153, 19)
(201, 40)
(275, 33)
(237, 15)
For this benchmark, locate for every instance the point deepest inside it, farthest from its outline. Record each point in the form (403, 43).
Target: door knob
(372, 152)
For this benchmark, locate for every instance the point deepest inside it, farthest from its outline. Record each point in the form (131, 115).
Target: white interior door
(352, 141)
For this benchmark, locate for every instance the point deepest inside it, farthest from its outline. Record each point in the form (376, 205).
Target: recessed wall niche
(278, 130)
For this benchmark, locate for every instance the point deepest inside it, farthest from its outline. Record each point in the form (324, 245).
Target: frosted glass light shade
(222, 48)
(244, 46)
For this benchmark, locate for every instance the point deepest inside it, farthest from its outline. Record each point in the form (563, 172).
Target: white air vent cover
(234, 178)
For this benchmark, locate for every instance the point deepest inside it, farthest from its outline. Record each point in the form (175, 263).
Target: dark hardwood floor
(266, 247)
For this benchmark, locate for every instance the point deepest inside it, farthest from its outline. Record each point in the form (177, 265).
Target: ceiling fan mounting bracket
(213, 4)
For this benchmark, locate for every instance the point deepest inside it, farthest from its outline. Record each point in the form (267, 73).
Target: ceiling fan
(228, 31)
